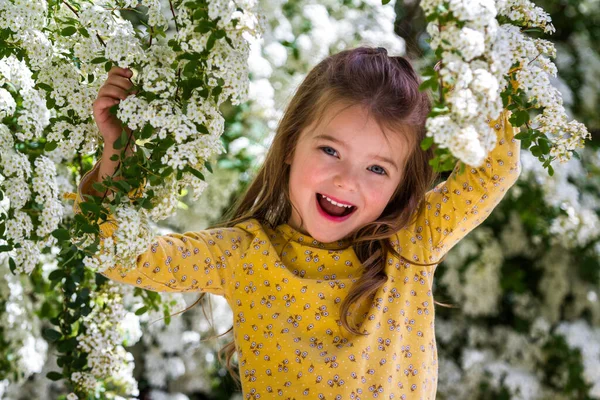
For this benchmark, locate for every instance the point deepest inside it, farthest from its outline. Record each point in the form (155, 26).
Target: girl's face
(348, 159)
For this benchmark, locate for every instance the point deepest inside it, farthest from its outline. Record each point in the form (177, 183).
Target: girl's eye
(381, 170)
(324, 148)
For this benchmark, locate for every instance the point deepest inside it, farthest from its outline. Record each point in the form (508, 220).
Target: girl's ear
(288, 159)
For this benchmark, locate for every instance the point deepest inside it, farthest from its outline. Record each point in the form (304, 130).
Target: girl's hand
(115, 89)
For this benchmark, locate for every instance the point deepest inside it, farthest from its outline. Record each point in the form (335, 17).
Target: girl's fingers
(119, 81)
(113, 91)
(105, 102)
(126, 73)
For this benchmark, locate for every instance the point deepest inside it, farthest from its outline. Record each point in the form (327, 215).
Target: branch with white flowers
(488, 63)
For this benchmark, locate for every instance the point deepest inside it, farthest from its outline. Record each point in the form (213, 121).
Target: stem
(174, 17)
(118, 165)
(176, 29)
(539, 54)
(146, 169)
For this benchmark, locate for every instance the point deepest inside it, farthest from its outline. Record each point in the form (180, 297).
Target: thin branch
(174, 17)
(177, 29)
(539, 54)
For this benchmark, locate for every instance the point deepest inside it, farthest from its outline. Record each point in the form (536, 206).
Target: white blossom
(7, 104)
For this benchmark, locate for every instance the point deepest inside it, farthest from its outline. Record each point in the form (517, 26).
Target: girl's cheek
(377, 195)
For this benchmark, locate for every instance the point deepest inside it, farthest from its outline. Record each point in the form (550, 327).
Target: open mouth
(330, 210)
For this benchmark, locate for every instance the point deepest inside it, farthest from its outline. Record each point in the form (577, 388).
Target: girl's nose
(345, 179)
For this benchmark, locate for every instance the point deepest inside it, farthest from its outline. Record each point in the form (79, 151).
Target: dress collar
(288, 232)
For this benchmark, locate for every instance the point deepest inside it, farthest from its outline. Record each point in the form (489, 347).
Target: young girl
(327, 260)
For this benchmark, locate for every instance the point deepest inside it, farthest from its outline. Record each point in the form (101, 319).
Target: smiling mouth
(329, 208)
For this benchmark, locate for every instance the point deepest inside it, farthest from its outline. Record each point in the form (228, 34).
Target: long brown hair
(388, 88)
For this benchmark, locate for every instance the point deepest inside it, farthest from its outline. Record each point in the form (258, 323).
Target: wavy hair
(388, 88)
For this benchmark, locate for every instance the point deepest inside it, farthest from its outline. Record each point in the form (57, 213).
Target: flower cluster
(480, 55)
(31, 190)
(107, 359)
(23, 348)
(130, 240)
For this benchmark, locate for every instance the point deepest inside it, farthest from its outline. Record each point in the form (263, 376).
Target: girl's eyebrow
(338, 141)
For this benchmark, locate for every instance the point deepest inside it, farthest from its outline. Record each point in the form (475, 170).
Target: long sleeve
(193, 261)
(458, 205)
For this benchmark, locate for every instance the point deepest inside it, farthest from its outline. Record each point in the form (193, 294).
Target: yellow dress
(285, 301)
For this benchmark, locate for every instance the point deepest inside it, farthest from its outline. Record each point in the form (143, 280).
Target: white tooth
(335, 203)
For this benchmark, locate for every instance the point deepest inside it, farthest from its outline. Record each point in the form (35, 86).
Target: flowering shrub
(535, 333)
(54, 56)
(487, 63)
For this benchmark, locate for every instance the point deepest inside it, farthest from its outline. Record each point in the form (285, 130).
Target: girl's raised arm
(193, 261)
(456, 206)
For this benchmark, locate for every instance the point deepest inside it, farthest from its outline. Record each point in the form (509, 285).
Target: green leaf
(44, 86)
(80, 362)
(70, 285)
(426, 143)
(523, 135)
(88, 228)
(576, 155)
(208, 167)
(190, 68)
(195, 172)
(54, 376)
(77, 274)
(61, 234)
(5, 247)
(124, 137)
(550, 170)
(68, 31)
(147, 131)
(67, 345)
(202, 129)
(519, 118)
(99, 187)
(99, 60)
(56, 275)
(425, 84)
(166, 172)
(146, 204)
(543, 143)
(124, 186)
(89, 207)
(536, 151)
(114, 157)
(50, 146)
(384, 2)
(210, 43)
(51, 335)
(141, 310)
(203, 26)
